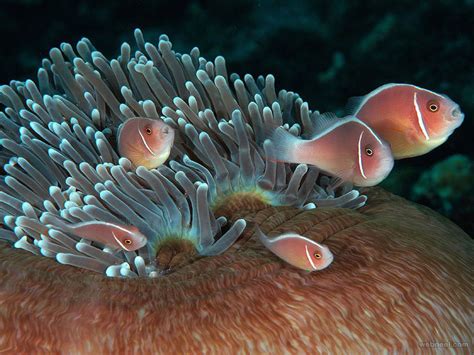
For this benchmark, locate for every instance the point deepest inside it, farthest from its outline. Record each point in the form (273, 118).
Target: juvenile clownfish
(113, 235)
(145, 141)
(298, 251)
(344, 147)
(413, 120)
(128, 238)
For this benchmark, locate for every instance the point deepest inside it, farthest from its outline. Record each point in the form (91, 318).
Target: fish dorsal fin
(353, 105)
(321, 122)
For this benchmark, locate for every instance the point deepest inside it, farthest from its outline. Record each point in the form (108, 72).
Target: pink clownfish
(113, 235)
(145, 141)
(413, 120)
(299, 251)
(344, 147)
(128, 238)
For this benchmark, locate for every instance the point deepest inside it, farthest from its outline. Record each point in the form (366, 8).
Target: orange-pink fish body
(145, 142)
(299, 251)
(412, 119)
(116, 236)
(344, 147)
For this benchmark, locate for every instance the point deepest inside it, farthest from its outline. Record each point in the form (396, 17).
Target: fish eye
(148, 130)
(433, 106)
(369, 151)
(128, 241)
(317, 255)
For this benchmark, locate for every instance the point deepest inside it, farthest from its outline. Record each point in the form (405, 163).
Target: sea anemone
(62, 165)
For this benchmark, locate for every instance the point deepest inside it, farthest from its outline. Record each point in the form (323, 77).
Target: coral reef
(401, 277)
(448, 186)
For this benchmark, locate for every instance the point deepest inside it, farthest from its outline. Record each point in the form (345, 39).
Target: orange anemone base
(402, 276)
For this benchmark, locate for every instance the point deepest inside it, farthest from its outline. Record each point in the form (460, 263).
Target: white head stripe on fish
(344, 121)
(309, 258)
(419, 115)
(359, 153)
(145, 143)
(118, 241)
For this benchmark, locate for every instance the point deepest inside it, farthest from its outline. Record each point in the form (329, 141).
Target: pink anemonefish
(115, 236)
(299, 251)
(128, 238)
(413, 120)
(344, 147)
(145, 141)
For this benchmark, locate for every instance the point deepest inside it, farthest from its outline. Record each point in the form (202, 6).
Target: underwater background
(326, 51)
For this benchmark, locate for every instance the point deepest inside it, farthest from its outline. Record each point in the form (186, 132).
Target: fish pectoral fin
(115, 250)
(343, 174)
(338, 181)
(130, 150)
(144, 142)
(138, 159)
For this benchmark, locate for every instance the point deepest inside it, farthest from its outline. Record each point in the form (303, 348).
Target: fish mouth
(327, 263)
(456, 115)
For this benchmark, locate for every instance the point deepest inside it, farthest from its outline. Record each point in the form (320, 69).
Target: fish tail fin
(48, 218)
(262, 237)
(284, 145)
